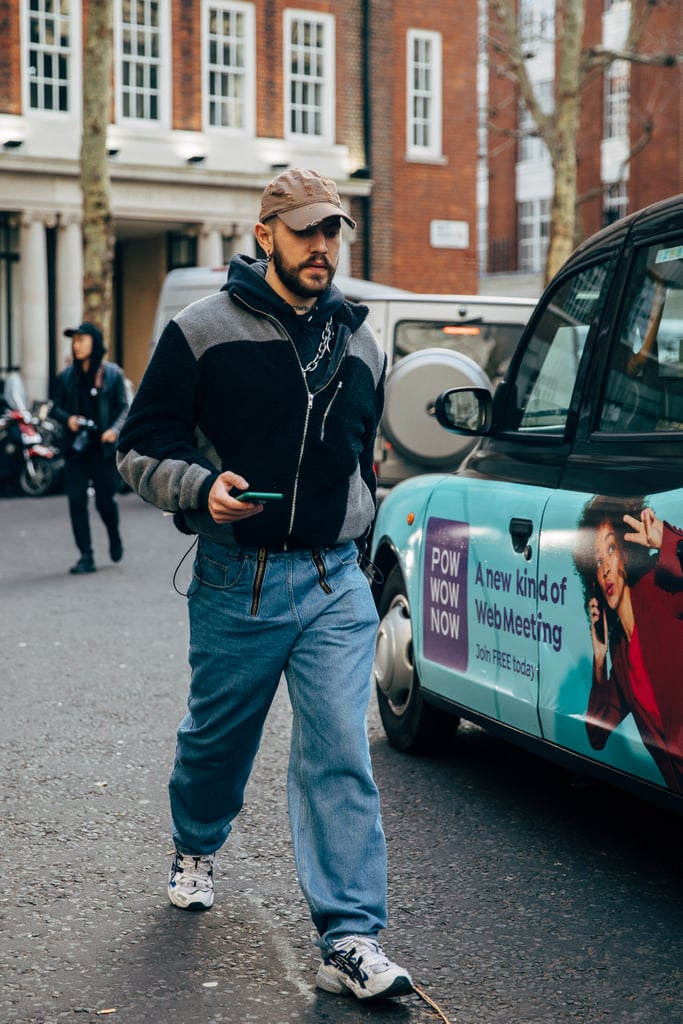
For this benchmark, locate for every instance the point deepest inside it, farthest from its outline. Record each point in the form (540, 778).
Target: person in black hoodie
(276, 382)
(90, 402)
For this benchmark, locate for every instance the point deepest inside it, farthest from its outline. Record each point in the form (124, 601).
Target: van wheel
(411, 725)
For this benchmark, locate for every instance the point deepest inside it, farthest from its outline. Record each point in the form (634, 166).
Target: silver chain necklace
(323, 347)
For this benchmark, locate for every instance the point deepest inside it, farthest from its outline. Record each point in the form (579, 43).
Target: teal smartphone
(258, 496)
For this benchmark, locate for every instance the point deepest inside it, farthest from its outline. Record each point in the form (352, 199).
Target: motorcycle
(24, 457)
(51, 432)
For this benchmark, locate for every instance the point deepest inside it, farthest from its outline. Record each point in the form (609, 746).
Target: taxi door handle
(520, 531)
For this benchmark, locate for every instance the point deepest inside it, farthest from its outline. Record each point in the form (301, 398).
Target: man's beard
(290, 276)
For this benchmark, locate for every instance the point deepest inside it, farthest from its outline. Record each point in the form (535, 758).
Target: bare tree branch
(600, 57)
(576, 67)
(604, 187)
(514, 61)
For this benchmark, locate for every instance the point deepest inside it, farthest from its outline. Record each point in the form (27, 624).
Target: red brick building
(210, 99)
(618, 110)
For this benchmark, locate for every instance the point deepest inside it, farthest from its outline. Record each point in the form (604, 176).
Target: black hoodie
(247, 281)
(225, 390)
(98, 394)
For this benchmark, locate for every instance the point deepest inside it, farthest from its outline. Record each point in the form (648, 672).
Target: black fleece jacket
(225, 390)
(100, 396)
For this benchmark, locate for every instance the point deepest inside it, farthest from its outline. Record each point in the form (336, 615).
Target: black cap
(87, 328)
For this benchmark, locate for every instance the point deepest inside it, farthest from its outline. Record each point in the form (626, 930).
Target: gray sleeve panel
(360, 509)
(171, 484)
(365, 346)
(216, 319)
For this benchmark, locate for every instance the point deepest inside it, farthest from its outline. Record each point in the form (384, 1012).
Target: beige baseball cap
(302, 199)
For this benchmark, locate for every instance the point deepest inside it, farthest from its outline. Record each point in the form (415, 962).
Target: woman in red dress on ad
(633, 581)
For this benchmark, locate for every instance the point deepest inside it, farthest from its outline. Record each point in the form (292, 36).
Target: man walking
(276, 383)
(91, 404)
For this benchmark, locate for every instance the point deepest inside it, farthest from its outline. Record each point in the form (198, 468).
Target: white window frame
(533, 147)
(610, 4)
(533, 226)
(70, 52)
(322, 81)
(617, 84)
(161, 62)
(424, 101)
(615, 203)
(536, 19)
(239, 79)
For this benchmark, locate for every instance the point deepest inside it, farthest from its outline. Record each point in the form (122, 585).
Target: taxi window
(490, 345)
(541, 392)
(644, 385)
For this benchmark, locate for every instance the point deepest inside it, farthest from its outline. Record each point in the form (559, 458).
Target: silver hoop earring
(269, 257)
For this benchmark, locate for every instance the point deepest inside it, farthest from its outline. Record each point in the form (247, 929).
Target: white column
(34, 312)
(245, 241)
(69, 283)
(210, 246)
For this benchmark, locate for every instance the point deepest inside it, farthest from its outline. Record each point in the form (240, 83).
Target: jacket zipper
(280, 326)
(304, 434)
(274, 320)
(295, 491)
(327, 411)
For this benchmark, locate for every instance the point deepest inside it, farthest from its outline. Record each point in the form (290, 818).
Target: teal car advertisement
(564, 619)
(537, 590)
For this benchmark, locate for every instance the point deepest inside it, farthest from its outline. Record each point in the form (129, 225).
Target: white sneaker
(190, 885)
(358, 966)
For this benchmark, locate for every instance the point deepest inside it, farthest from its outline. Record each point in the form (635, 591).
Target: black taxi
(538, 589)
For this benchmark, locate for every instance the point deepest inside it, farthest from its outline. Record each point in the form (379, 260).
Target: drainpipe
(366, 27)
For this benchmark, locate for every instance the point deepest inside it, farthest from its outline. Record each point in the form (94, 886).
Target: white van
(432, 342)
(185, 285)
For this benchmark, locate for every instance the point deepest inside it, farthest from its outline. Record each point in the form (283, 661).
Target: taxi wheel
(411, 725)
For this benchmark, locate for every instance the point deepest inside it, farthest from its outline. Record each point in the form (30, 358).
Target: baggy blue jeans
(309, 615)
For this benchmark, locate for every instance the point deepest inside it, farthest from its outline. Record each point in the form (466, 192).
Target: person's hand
(636, 363)
(223, 506)
(598, 615)
(73, 424)
(648, 531)
(109, 436)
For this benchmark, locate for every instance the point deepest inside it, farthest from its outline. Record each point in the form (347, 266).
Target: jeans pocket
(344, 556)
(220, 572)
(337, 566)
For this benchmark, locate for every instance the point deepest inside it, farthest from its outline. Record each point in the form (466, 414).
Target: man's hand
(223, 507)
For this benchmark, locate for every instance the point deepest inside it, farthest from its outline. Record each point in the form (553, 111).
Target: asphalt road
(517, 894)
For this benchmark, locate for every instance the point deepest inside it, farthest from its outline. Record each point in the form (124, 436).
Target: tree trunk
(98, 230)
(570, 19)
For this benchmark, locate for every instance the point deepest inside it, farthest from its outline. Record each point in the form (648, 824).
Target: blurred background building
(211, 98)
(629, 147)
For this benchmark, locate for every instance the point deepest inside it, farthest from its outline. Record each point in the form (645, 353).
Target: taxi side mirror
(465, 410)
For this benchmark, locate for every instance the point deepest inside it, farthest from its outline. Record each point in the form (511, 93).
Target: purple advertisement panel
(445, 592)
